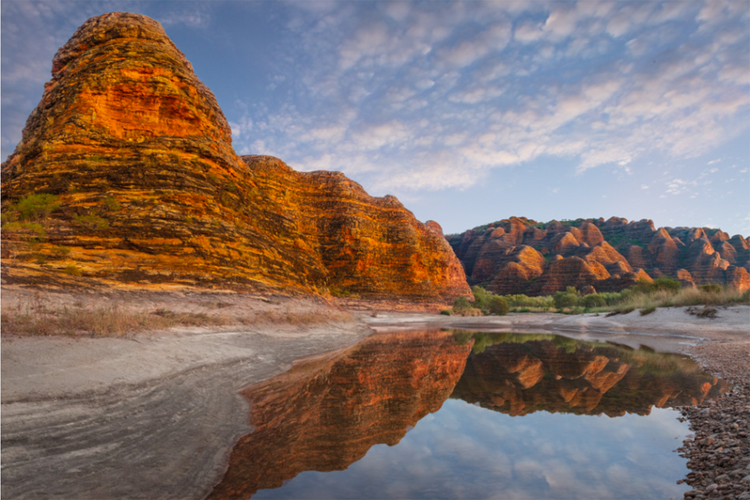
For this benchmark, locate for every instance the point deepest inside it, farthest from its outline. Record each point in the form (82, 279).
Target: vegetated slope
(126, 175)
(519, 255)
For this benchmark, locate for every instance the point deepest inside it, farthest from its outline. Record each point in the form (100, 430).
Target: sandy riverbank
(155, 415)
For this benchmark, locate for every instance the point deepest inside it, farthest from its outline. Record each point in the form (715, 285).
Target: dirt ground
(155, 415)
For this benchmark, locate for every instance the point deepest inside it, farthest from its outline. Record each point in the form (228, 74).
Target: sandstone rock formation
(594, 254)
(143, 187)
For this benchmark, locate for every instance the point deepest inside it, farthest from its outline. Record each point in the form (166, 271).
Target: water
(446, 414)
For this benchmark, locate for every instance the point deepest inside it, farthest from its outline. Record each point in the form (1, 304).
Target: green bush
(611, 298)
(521, 300)
(112, 204)
(711, 288)
(498, 305)
(568, 298)
(35, 207)
(667, 283)
(481, 297)
(592, 300)
(461, 304)
(642, 286)
(28, 231)
(648, 310)
(90, 221)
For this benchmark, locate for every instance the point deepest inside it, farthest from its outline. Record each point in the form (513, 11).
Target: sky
(468, 112)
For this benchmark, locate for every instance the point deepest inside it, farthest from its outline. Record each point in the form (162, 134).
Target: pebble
(718, 451)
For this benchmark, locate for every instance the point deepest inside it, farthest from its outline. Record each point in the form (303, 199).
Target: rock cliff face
(325, 414)
(367, 246)
(143, 187)
(519, 255)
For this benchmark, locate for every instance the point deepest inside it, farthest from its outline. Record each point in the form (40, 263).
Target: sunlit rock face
(596, 255)
(368, 246)
(327, 412)
(563, 375)
(150, 190)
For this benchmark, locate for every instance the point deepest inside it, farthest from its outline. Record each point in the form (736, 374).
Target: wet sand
(156, 415)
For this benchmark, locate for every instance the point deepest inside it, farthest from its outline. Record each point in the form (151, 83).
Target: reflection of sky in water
(464, 451)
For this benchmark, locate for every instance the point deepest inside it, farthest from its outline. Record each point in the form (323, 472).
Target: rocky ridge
(126, 177)
(519, 255)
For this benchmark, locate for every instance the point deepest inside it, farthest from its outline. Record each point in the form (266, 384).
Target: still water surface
(450, 414)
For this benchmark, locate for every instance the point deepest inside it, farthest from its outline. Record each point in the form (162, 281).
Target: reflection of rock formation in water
(327, 412)
(564, 375)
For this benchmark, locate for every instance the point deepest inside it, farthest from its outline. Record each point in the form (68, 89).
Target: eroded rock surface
(597, 254)
(148, 190)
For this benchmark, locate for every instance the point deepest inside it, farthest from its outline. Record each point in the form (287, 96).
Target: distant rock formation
(147, 191)
(519, 255)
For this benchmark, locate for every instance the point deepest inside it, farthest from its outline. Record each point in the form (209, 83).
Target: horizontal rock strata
(144, 189)
(519, 255)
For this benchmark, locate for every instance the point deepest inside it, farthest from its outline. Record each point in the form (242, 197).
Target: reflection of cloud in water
(495, 455)
(544, 427)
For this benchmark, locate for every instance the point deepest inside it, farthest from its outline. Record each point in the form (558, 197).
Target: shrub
(610, 298)
(35, 207)
(90, 221)
(568, 298)
(592, 300)
(111, 203)
(498, 306)
(711, 288)
(461, 304)
(482, 298)
(667, 283)
(445, 312)
(648, 310)
(72, 270)
(28, 231)
(642, 286)
(61, 251)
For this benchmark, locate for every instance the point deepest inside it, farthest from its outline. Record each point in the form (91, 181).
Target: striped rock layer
(147, 191)
(519, 255)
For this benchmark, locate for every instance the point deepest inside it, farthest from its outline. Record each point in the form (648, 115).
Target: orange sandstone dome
(126, 176)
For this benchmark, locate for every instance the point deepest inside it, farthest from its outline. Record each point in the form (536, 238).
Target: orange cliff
(519, 255)
(328, 411)
(146, 190)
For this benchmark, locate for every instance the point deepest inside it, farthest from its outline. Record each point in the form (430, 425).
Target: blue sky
(468, 112)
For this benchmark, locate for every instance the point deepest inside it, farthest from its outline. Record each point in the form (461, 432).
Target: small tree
(481, 298)
(35, 207)
(461, 304)
(667, 283)
(568, 298)
(498, 305)
(592, 300)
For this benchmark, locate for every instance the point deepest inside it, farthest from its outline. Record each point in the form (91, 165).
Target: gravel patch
(719, 452)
